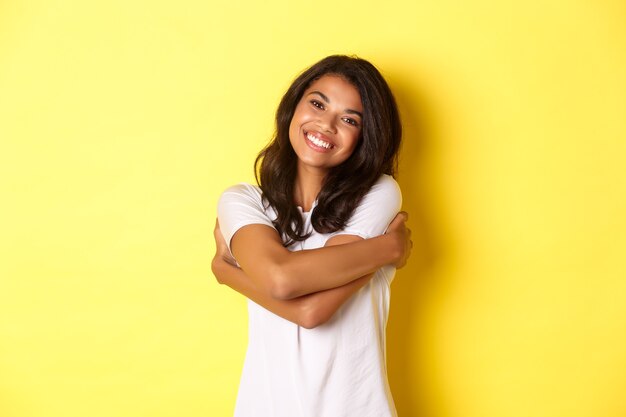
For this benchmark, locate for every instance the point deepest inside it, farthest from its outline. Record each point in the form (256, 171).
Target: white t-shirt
(334, 370)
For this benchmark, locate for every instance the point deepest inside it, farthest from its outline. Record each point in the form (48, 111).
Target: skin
(308, 286)
(308, 311)
(329, 110)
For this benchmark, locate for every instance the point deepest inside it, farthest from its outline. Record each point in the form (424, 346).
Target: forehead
(338, 90)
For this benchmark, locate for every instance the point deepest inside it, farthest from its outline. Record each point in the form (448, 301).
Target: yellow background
(122, 121)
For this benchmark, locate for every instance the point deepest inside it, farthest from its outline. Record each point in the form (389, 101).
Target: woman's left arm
(308, 311)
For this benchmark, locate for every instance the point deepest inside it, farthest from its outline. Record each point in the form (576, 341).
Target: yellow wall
(121, 122)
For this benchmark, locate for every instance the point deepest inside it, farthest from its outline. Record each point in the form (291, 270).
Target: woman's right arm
(307, 311)
(284, 274)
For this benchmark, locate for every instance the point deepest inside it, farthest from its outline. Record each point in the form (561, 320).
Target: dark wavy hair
(345, 185)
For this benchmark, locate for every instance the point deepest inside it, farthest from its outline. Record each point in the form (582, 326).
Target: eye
(317, 104)
(350, 121)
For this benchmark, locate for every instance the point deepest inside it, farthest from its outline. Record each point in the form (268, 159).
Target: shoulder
(384, 198)
(240, 205)
(241, 193)
(243, 189)
(385, 187)
(376, 210)
(242, 198)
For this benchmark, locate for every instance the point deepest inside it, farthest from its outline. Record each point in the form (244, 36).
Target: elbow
(312, 317)
(217, 273)
(280, 290)
(310, 324)
(281, 287)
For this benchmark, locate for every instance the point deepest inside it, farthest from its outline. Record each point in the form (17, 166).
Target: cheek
(354, 141)
(296, 120)
(293, 124)
(292, 135)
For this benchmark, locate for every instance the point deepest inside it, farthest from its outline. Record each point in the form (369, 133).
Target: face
(326, 125)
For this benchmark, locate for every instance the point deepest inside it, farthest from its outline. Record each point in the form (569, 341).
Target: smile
(319, 142)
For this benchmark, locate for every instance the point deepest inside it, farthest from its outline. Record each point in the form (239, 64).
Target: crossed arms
(305, 287)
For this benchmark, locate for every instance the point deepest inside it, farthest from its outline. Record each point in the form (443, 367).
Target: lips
(318, 141)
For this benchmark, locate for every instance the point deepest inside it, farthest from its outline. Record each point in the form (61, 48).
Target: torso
(336, 369)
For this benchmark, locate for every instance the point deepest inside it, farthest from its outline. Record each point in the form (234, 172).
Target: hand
(221, 248)
(402, 238)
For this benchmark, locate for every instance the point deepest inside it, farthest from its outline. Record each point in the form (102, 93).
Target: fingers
(216, 229)
(402, 216)
(399, 220)
(217, 235)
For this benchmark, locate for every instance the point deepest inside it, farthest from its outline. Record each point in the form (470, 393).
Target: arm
(283, 274)
(308, 311)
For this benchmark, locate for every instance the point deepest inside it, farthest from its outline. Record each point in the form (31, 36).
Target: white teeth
(318, 142)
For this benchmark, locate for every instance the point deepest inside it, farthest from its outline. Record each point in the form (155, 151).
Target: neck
(307, 186)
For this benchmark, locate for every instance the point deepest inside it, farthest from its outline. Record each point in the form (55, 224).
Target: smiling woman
(326, 125)
(315, 247)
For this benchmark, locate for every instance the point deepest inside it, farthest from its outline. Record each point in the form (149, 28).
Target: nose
(326, 122)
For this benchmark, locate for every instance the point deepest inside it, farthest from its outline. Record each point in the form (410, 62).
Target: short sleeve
(239, 206)
(376, 210)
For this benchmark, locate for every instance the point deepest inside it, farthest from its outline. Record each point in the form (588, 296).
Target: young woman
(315, 246)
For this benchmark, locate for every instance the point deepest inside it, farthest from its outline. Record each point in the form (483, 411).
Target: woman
(316, 247)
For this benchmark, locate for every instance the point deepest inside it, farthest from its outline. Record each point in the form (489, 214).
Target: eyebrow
(323, 96)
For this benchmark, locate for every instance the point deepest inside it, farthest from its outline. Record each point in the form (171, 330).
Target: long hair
(346, 184)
